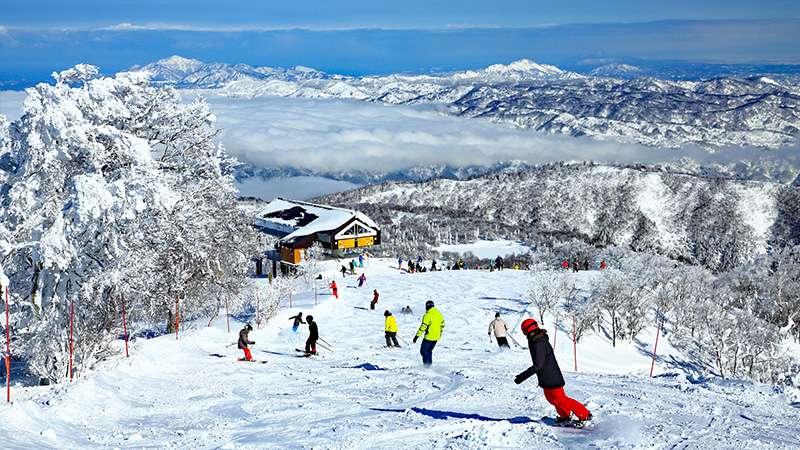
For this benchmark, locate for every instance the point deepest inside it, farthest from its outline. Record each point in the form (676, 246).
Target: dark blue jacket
(544, 362)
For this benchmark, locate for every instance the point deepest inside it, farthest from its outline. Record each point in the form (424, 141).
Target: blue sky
(378, 37)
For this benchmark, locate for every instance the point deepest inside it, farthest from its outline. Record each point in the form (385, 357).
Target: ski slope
(173, 394)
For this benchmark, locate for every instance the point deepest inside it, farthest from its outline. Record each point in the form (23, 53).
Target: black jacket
(544, 362)
(243, 339)
(313, 333)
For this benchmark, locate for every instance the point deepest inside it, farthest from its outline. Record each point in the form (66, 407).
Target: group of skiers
(544, 364)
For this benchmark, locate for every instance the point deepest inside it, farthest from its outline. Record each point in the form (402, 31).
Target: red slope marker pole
(71, 346)
(125, 327)
(8, 352)
(177, 322)
(652, 364)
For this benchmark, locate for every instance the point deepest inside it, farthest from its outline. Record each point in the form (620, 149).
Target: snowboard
(217, 355)
(574, 423)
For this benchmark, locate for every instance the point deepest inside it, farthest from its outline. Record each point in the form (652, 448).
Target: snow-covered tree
(113, 187)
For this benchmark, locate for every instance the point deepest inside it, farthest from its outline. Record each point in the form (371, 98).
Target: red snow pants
(565, 405)
(247, 354)
(335, 294)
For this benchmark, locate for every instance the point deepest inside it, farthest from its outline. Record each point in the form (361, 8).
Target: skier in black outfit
(298, 319)
(313, 335)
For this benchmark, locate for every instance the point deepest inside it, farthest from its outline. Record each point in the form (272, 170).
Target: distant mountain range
(619, 102)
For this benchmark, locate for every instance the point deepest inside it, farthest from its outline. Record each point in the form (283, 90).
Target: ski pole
(323, 340)
(515, 341)
(325, 347)
(230, 345)
(404, 341)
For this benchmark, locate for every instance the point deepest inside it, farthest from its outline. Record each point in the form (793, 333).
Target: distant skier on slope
(374, 299)
(551, 381)
(391, 330)
(244, 341)
(313, 335)
(499, 327)
(361, 280)
(334, 289)
(432, 325)
(298, 319)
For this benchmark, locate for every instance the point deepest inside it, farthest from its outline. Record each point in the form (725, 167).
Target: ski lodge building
(298, 225)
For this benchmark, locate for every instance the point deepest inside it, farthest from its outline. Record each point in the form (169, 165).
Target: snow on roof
(299, 219)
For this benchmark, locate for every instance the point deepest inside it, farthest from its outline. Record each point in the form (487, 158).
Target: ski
(253, 360)
(305, 354)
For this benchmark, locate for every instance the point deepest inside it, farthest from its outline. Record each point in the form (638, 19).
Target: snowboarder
(298, 319)
(432, 325)
(313, 335)
(374, 300)
(334, 289)
(391, 330)
(551, 381)
(406, 310)
(244, 341)
(361, 280)
(499, 326)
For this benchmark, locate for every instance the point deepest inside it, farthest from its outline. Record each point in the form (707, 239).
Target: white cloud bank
(341, 135)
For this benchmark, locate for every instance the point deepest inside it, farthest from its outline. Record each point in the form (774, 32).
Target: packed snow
(190, 392)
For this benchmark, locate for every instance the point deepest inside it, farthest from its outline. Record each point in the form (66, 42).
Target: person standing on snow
(334, 289)
(374, 299)
(298, 319)
(432, 326)
(391, 330)
(313, 335)
(360, 260)
(244, 341)
(499, 327)
(551, 381)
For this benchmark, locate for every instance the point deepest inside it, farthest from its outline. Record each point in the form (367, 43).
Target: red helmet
(529, 325)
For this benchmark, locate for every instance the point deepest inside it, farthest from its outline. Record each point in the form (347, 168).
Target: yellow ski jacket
(432, 325)
(391, 324)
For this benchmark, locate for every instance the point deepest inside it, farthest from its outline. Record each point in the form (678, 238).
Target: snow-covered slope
(191, 393)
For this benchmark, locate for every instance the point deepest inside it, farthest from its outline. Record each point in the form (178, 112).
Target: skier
(391, 330)
(360, 260)
(334, 289)
(244, 341)
(433, 265)
(344, 271)
(361, 280)
(602, 265)
(575, 266)
(432, 325)
(499, 326)
(565, 265)
(406, 310)
(353, 267)
(313, 335)
(374, 300)
(400, 264)
(298, 319)
(585, 264)
(551, 381)
(491, 265)
(499, 263)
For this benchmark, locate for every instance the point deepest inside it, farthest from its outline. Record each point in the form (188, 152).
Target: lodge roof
(293, 220)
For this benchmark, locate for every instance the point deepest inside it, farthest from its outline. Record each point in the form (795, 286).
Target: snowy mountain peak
(521, 70)
(616, 70)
